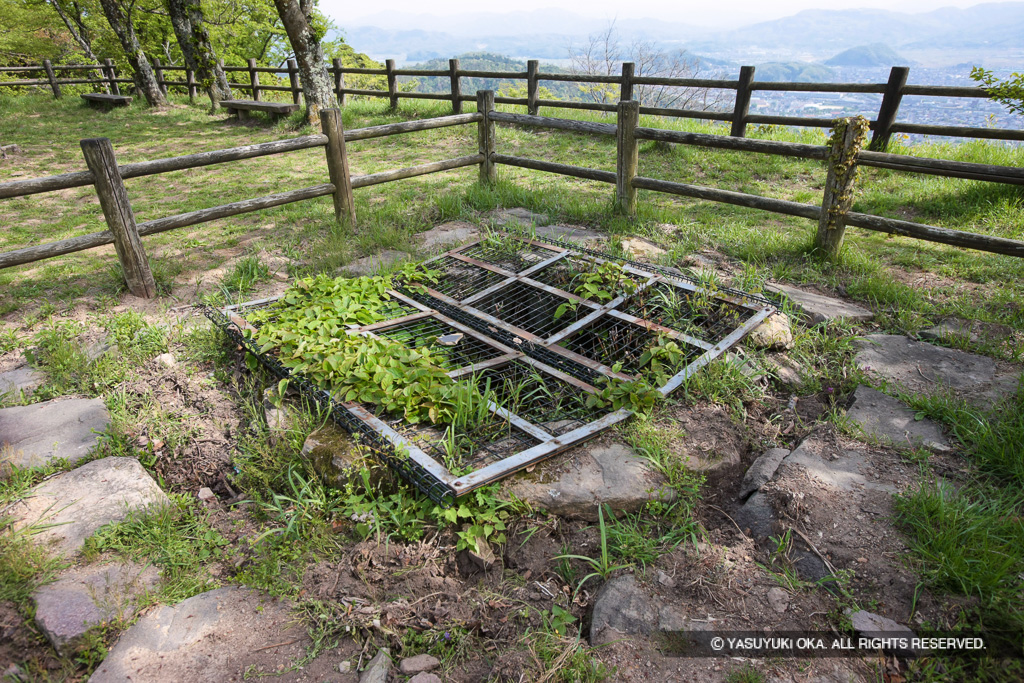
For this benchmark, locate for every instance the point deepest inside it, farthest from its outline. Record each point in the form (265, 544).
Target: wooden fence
(884, 124)
(832, 214)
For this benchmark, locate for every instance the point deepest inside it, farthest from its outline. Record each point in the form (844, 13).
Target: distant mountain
(799, 72)
(876, 54)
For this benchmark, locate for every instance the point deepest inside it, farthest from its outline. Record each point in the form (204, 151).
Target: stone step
(37, 434)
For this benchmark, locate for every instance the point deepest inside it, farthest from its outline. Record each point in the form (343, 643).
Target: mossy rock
(337, 459)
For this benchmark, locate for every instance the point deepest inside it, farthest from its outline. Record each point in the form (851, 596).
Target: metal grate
(531, 348)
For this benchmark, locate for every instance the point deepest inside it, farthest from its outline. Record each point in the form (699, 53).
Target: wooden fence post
(485, 135)
(739, 113)
(339, 82)
(190, 83)
(890, 106)
(337, 165)
(99, 157)
(847, 138)
(627, 156)
(293, 80)
(254, 80)
(111, 75)
(453, 76)
(158, 71)
(389, 64)
(532, 97)
(53, 78)
(626, 86)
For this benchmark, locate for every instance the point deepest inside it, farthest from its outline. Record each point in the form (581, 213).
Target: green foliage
(637, 395)
(245, 275)
(601, 566)
(1008, 92)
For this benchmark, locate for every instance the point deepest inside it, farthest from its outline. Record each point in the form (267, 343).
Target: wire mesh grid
(610, 341)
(532, 309)
(460, 280)
(570, 274)
(489, 442)
(453, 349)
(510, 254)
(698, 314)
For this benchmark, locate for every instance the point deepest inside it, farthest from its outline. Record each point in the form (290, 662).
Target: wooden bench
(104, 101)
(241, 108)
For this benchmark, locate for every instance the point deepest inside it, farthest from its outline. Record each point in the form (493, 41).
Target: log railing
(884, 125)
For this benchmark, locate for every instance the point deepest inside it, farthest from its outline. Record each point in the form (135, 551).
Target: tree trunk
(190, 28)
(79, 31)
(316, 82)
(142, 72)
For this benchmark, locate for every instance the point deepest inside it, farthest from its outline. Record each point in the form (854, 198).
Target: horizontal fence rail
(884, 124)
(833, 214)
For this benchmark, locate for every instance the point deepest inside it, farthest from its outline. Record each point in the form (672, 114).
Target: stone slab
(843, 470)
(611, 474)
(572, 233)
(891, 421)
(34, 435)
(373, 264)
(378, 669)
(84, 597)
(22, 380)
(213, 636)
(927, 368)
(762, 470)
(621, 608)
(517, 216)
(638, 247)
(447, 236)
(819, 308)
(69, 508)
(757, 515)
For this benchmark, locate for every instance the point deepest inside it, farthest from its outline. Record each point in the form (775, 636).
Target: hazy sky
(729, 13)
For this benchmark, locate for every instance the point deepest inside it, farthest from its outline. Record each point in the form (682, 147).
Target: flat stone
(101, 347)
(414, 665)
(785, 369)
(757, 515)
(206, 493)
(927, 368)
(374, 263)
(571, 233)
(773, 333)
(665, 580)
(891, 421)
(447, 235)
(842, 470)
(378, 669)
(612, 475)
(167, 360)
(778, 599)
(870, 625)
(72, 506)
(621, 608)
(819, 308)
(332, 454)
(425, 678)
(517, 216)
(762, 470)
(213, 636)
(638, 247)
(84, 597)
(36, 434)
(23, 380)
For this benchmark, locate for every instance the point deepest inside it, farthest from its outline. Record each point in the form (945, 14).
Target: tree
(72, 14)
(304, 34)
(119, 16)
(193, 38)
(1008, 92)
(603, 54)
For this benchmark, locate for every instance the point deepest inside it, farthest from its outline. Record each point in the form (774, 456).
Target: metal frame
(546, 355)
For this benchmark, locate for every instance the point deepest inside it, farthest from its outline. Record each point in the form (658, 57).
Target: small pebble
(862, 560)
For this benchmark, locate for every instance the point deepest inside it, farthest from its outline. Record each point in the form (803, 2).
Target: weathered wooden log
(392, 83)
(54, 86)
(805, 121)
(627, 156)
(485, 135)
(339, 82)
(563, 104)
(742, 107)
(626, 86)
(112, 79)
(532, 88)
(40, 252)
(455, 85)
(890, 107)
(728, 197)
(569, 78)
(837, 198)
(928, 165)
(413, 171)
(99, 157)
(959, 131)
(818, 87)
(560, 169)
(410, 126)
(337, 166)
(789, 149)
(22, 188)
(220, 156)
(254, 80)
(932, 233)
(293, 81)
(560, 124)
(158, 71)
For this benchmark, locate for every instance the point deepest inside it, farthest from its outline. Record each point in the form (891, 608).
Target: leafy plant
(602, 566)
(637, 395)
(1008, 92)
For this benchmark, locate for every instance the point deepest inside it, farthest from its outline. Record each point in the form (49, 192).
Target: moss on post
(848, 136)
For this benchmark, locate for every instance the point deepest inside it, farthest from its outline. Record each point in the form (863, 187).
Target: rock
(277, 419)
(773, 333)
(761, 471)
(785, 369)
(483, 557)
(99, 348)
(809, 566)
(414, 665)
(890, 420)
(517, 216)
(665, 580)
(73, 505)
(9, 151)
(373, 264)
(757, 515)
(206, 493)
(23, 380)
(572, 233)
(870, 625)
(425, 678)
(926, 368)
(84, 597)
(213, 636)
(332, 454)
(641, 248)
(345, 667)
(611, 474)
(819, 308)
(621, 608)
(778, 599)
(39, 433)
(167, 360)
(838, 470)
(378, 669)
